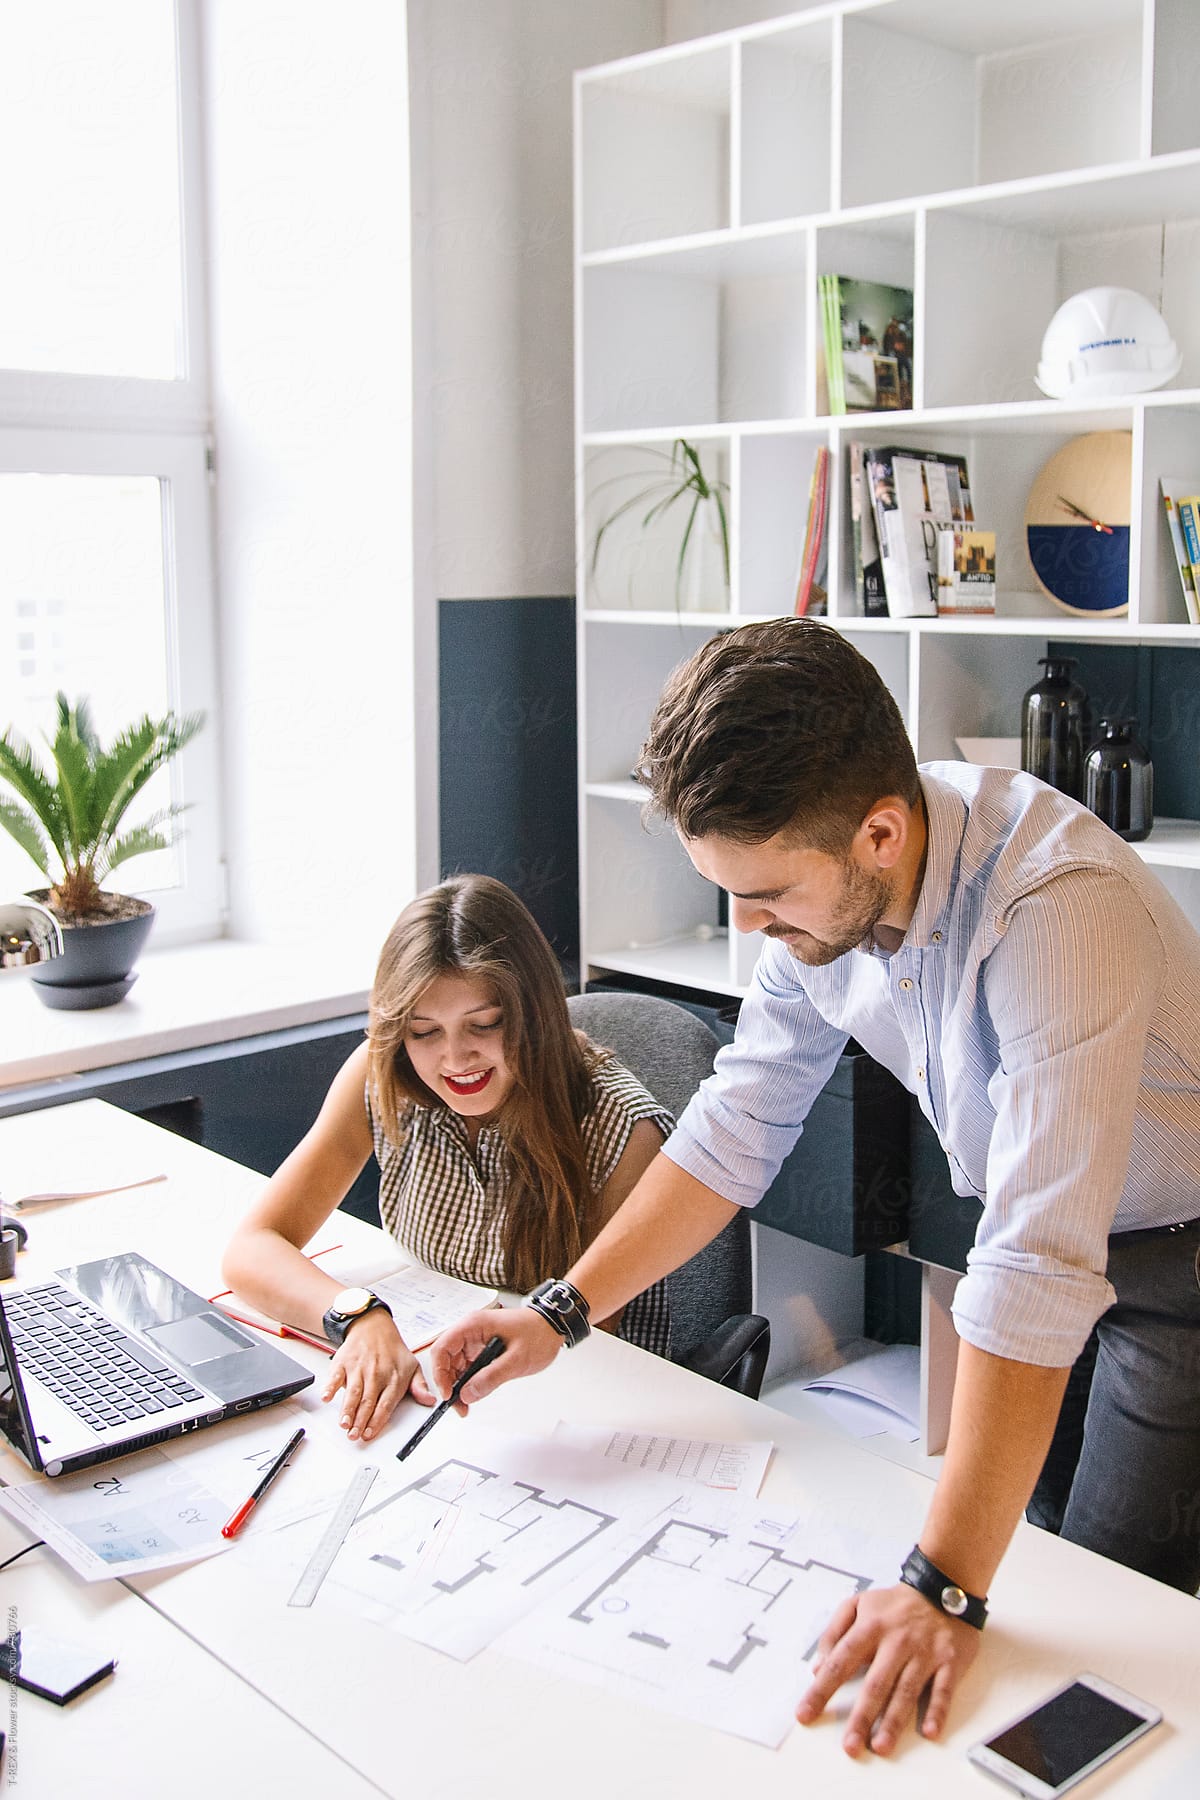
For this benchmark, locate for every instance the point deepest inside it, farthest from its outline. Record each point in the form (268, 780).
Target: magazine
(912, 492)
(868, 338)
(868, 570)
(966, 582)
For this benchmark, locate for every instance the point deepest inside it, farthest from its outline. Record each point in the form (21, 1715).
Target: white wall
(491, 99)
(307, 167)
(684, 19)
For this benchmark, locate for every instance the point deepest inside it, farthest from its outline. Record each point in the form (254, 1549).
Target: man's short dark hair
(775, 727)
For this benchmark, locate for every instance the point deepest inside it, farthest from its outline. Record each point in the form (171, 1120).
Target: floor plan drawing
(473, 1541)
(512, 1527)
(648, 1597)
(711, 1622)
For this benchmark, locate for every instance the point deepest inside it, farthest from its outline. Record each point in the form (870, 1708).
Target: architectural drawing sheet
(479, 1533)
(716, 1622)
(725, 1467)
(656, 1587)
(143, 1513)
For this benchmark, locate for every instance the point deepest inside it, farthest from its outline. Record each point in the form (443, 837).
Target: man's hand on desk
(376, 1368)
(530, 1344)
(907, 1646)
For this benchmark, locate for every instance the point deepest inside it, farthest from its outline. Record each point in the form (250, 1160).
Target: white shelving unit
(995, 159)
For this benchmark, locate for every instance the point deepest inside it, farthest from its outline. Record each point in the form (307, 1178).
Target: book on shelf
(868, 570)
(1174, 492)
(811, 596)
(1188, 509)
(423, 1302)
(830, 339)
(913, 492)
(867, 332)
(854, 482)
(966, 580)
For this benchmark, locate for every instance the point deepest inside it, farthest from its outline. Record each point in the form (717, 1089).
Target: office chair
(670, 1050)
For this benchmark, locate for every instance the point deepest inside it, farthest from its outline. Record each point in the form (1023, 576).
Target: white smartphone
(1073, 1732)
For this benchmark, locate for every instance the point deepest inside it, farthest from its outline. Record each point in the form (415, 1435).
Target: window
(105, 563)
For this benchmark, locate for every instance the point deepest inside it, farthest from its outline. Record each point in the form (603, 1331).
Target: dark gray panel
(507, 797)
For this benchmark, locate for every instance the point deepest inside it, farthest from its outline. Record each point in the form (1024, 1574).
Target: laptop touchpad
(199, 1339)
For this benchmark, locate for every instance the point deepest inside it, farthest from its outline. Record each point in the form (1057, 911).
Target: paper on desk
(423, 1302)
(41, 1169)
(716, 1623)
(166, 1506)
(147, 1512)
(733, 1468)
(231, 1457)
(872, 1393)
(483, 1527)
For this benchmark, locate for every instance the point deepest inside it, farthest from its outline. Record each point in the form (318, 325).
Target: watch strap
(564, 1307)
(937, 1587)
(337, 1324)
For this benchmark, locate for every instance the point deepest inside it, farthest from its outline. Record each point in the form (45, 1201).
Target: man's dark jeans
(1123, 1473)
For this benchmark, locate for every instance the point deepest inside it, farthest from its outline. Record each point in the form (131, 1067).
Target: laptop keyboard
(106, 1378)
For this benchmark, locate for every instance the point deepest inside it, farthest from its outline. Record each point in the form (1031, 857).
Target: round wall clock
(1077, 523)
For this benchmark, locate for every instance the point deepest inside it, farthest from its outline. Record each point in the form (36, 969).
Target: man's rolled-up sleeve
(1071, 988)
(742, 1121)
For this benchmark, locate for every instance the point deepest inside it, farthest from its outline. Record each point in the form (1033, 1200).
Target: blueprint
(477, 1538)
(657, 1587)
(714, 1622)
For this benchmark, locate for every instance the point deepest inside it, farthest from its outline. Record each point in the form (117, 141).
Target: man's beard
(864, 899)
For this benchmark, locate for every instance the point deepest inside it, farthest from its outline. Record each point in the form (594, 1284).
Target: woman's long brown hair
(472, 925)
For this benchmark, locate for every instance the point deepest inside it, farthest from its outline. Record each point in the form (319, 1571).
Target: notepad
(423, 1302)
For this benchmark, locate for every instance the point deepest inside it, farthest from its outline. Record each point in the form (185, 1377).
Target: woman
(505, 1139)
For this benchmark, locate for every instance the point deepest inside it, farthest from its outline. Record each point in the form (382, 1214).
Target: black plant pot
(95, 966)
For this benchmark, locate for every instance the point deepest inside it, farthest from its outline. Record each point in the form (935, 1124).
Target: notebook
(422, 1301)
(112, 1356)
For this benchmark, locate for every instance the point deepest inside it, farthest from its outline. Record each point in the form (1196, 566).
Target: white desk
(416, 1724)
(170, 1720)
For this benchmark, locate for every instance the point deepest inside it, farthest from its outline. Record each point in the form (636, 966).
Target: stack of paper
(876, 1390)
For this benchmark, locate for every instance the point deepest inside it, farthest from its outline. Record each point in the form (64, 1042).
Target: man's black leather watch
(564, 1307)
(919, 1573)
(348, 1307)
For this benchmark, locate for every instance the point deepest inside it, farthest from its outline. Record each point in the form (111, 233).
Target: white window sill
(182, 999)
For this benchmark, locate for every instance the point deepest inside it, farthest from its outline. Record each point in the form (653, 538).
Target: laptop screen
(15, 1422)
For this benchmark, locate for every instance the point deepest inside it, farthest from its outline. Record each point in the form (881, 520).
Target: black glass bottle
(1054, 727)
(1119, 780)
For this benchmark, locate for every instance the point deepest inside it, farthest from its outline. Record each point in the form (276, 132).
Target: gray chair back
(671, 1050)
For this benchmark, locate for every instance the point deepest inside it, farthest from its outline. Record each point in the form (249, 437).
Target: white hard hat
(1106, 340)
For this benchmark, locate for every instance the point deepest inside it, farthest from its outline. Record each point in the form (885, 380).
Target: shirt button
(920, 1074)
(937, 937)
(906, 983)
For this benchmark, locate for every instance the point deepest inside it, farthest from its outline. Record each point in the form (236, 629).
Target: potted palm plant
(675, 482)
(69, 818)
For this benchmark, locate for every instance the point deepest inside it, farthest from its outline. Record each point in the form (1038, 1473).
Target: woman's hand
(376, 1368)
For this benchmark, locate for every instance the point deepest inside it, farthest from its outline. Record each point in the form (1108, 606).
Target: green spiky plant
(683, 479)
(74, 812)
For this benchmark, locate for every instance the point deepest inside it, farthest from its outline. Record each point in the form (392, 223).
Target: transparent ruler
(332, 1538)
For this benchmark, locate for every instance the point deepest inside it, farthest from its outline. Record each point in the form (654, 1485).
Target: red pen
(277, 1467)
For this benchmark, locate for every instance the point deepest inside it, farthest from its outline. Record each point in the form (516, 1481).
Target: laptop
(112, 1356)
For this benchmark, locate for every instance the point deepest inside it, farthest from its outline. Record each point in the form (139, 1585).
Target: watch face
(1077, 524)
(351, 1301)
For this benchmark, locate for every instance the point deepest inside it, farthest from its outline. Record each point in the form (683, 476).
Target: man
(1015, 965)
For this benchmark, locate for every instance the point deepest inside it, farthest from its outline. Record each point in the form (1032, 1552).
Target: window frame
(60, 423)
